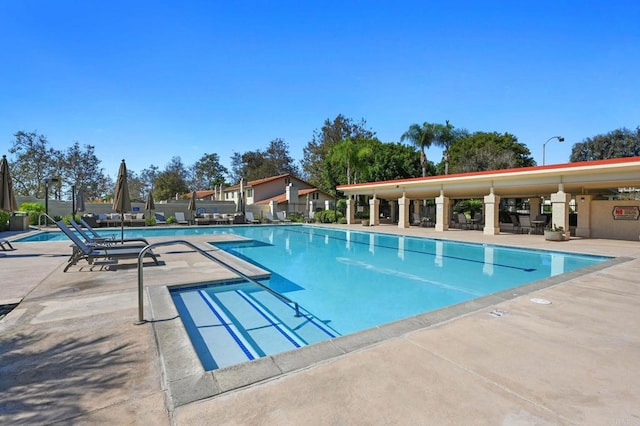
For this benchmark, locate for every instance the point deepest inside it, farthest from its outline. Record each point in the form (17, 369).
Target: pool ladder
(142, 253)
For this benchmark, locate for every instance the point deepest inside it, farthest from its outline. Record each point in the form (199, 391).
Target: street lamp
(560, 139)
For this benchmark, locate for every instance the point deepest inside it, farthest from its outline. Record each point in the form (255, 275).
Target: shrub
(171, 220)
(295, 217)
(32, 207)
(150, 221)
(33, 210)
(66, 218)
(4, 221)
(33, 218)
(327, 216)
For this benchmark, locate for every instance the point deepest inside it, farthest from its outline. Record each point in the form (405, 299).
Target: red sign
(626, 212)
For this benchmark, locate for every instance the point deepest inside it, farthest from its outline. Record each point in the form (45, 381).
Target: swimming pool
(345, 281)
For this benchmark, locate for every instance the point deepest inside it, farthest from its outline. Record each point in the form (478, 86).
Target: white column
(442, 212)
(491, 214)
(560, 209)
(312, 209)
(403, 210)
(584, 216)
(374, 212)
(351, 211)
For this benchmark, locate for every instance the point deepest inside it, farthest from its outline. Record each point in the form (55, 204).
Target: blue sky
(147, 80)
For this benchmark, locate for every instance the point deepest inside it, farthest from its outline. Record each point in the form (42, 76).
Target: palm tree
(422, 137)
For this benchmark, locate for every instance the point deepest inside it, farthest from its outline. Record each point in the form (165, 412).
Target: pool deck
(71, 353)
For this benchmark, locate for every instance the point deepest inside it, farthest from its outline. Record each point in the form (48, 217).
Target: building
(602, 194)
(285, 193)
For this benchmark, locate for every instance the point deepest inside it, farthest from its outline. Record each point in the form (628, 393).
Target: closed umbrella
(240, 205)
(192, 204)
(7, 197)
(121, 200)
(150, 204)
(80, 201)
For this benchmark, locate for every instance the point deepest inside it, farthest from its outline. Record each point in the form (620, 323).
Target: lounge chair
(99, 254)
(282, 217)
(516, 222)
(271, 219)
(7, 243)
(180, 219)
(249, 218)
(98, 239)
(94, 234)
(160, 219)
(525, 223)
(134, 219)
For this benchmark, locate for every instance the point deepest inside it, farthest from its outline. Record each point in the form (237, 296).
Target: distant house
(285, 192)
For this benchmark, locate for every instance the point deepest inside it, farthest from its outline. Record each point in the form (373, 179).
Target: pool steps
(237, 325)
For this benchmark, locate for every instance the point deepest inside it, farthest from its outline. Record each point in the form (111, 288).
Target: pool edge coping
(186, 381)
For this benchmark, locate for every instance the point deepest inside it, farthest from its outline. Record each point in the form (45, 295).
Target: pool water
(346, 281)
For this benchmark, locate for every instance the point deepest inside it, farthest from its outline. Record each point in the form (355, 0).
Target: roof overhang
(590, 177)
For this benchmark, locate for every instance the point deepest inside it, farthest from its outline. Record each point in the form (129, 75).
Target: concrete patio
(71, 354)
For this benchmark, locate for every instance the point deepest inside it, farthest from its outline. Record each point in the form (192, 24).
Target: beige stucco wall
(63, 208)
(604, 226)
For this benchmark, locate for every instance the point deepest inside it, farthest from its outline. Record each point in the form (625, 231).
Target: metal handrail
(142, 253)
(47, 222)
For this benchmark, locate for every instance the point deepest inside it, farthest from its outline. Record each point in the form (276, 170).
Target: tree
(446, 135)
(488, 151)
(394, 161)
(35, 161)
(148, 178)
(81, 167)
(316, 151)
(616, 144)
(422, 137)
(253, 165)
(350, 157)
(207, 172)
(172, 180)
(136, 186)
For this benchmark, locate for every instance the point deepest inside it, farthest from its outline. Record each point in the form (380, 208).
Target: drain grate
(5, 309)
(541, 301)
(498, 313)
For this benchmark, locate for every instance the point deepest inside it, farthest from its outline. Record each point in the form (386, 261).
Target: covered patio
(592, 188)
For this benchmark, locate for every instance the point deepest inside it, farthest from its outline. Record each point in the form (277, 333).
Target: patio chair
(282, 217)
(99, 254)
(271, 219)
(160, 218)
(249, 218)
(5, 242)
(180, 219)
(516, 222)
(98, 239)
(463, 223)
(525, 223)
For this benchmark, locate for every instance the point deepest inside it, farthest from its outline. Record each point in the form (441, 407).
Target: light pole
(560, 139)
(48, 181)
